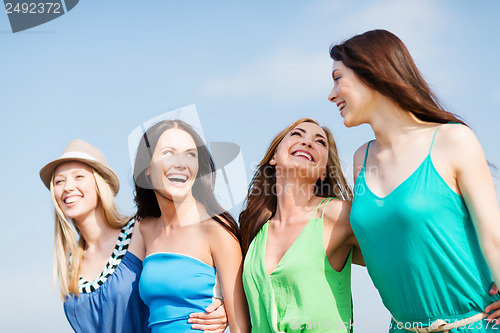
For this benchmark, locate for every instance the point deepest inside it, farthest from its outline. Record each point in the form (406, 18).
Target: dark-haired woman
(297, 236)
(191, 242)
(424, 211)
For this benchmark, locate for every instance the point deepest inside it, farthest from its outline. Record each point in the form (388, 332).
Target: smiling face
(75, 189)
(351, 95)
(304, 148)
(174, 164)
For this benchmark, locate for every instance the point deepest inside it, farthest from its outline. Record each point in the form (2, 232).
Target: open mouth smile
(71, 200)
(303, 154)
(341, 106)
(177, 178)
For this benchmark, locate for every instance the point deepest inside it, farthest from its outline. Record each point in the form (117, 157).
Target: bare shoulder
(337, 212)
(221, 242)
(146, 224)
(456, 134)
(358, 159)
(337, 225)
(458, 143)
(214, 230)
(359, 155)
(136, 233)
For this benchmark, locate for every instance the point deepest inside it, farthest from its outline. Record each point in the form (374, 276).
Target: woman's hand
(493, 306)
(493, 289)
(213, 320)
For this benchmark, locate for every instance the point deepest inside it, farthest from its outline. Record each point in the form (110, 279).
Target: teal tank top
(421, 249)
(303, 293)
(173, 286)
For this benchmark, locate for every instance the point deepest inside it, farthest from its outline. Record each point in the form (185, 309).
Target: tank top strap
(433, 138)
(324, 207)
(366, 153)
(317, 208)
(119, 251)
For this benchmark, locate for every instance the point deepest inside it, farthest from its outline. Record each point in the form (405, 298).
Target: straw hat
(81, 151)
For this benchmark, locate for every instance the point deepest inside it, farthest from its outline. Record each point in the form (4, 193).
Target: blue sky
(104, 68)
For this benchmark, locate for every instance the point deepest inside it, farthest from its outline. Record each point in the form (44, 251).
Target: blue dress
(111, 303)
(173, 286)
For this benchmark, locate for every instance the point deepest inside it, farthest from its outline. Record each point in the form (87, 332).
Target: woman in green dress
(297, 237)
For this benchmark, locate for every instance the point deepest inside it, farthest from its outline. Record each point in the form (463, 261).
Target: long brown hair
(381, 60)
(203, 187)
(261, 201)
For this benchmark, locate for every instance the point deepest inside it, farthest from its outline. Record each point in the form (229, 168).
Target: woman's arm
(226, 252)
(477, 188)
(213, 320)
(340, 234)
(358, 159)
(357, 256)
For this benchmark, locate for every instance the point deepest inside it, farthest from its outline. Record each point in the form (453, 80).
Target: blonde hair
(69, 245)
(261, 201)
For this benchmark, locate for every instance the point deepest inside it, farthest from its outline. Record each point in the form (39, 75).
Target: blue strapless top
(173, 286)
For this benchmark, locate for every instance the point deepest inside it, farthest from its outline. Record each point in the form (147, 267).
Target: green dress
(303, 293)
(421, 250)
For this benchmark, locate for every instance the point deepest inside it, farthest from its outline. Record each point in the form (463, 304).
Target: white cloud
(296, 75)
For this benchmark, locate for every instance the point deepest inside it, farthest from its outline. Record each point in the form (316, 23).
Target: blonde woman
(98, 266)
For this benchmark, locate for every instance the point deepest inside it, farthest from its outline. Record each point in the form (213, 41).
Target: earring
(149, 183)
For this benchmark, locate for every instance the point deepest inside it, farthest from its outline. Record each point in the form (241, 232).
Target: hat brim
(106, 172)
